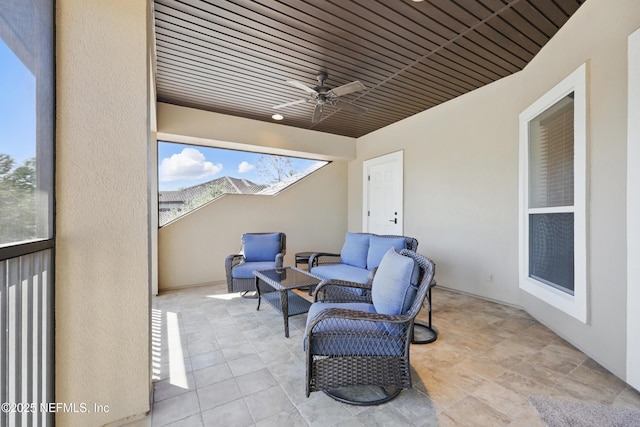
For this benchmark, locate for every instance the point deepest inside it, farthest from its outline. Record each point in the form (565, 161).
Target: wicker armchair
(260, 251)
(360, 343)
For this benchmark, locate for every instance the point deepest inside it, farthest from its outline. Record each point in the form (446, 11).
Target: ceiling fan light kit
(322, 95)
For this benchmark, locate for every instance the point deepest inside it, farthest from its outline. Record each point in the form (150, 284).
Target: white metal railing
(26, 342)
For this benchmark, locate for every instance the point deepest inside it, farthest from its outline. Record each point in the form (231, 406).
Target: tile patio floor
(219, 362)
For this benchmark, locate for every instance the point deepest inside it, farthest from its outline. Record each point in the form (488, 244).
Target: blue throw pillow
(355, 249)
(378, 246)
(261, 247)
(394, 286)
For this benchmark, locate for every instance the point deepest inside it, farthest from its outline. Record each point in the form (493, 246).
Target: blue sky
(181, 165)
(17, 107)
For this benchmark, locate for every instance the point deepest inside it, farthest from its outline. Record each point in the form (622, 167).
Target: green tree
(17, 200)
(24, 177)
(6, 164)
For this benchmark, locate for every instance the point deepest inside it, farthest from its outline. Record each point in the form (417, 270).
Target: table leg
(284, 305)
(258, 292)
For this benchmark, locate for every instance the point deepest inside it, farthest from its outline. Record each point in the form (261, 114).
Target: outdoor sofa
(361, 253)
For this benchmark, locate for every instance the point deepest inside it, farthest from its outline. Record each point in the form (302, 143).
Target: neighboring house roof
(279, 186)
(176, 199)
(227, 184)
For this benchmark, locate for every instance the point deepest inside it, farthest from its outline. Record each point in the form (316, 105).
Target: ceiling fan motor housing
(323, 95)
(321, 88)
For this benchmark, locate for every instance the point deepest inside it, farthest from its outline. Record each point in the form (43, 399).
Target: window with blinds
(551, 156)
(553, 192)
(551, 196)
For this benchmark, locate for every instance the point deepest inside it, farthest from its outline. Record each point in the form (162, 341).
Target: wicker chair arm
(229, 263)
(323, 286)
(322, 258)
(343, 313)
(279, 260)
(233, 260)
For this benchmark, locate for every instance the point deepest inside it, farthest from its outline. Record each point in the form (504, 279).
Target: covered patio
(461, 175)
(218, 361)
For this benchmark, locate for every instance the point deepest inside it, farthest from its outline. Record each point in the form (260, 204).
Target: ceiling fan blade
(302, 86)
(353, 108)
(317, 113)
(348, 88)
(288, 104)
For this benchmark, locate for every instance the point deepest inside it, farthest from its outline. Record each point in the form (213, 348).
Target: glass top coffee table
(280, 283)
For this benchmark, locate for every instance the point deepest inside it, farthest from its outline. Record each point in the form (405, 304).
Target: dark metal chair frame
(330, 372)
(233, 260)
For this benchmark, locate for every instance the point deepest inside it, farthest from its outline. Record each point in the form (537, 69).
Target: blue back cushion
(261, 247)
(394, 286)
(355, 249)
(378, 246)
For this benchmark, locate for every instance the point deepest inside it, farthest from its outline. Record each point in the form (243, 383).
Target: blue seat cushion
(355, 249)
(342, 272)
(346, 337)
(261, 247)
(245, 270)
(394, 286)
(378, 246)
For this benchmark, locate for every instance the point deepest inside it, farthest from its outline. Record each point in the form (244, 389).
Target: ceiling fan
(322, 95)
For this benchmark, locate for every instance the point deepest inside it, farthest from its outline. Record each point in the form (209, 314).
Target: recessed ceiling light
(417, 1)
(277, 117)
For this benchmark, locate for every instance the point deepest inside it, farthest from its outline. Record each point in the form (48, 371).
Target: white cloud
(188, 164)
(245, 167)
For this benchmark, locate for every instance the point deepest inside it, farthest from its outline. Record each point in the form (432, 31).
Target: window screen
(551, 196)
(551, 250)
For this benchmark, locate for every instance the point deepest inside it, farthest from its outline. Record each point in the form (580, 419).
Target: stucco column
(102, 267)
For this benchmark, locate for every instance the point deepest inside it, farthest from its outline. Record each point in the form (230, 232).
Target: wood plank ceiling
(235, 57)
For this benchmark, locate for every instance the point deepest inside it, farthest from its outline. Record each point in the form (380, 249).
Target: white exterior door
(383, 194)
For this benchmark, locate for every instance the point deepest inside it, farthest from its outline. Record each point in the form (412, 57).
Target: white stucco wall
(102, 266)
(312, 213)
(604, 48)
(458, 188)
(192, 126)
(461, 179)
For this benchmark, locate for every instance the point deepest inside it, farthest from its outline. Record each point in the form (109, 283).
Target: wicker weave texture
(346, 347)
(330, 373)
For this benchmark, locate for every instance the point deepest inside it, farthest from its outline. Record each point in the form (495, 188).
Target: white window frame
(575, 305)
(633, 212)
